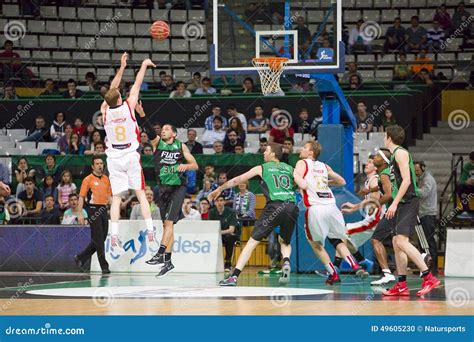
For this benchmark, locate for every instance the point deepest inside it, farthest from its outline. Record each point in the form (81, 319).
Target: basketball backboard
(243, 30)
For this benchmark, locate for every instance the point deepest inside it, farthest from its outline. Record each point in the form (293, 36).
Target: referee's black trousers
(99, 222)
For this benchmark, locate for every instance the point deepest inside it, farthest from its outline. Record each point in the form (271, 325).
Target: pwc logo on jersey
(325, 55)
(119, 120)
(169, 157)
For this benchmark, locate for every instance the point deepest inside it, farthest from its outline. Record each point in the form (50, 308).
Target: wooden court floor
(197, 294)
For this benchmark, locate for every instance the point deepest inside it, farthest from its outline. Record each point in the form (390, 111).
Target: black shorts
(406, 217)
(383, 230)
(277, 214)
(170, 202)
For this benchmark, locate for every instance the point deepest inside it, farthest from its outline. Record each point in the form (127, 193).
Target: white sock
(114, 228)
(330, 268)
(386, 271)
(149, 224)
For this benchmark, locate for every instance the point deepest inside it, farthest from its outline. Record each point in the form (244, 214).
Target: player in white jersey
(323, 217)
(123, 160)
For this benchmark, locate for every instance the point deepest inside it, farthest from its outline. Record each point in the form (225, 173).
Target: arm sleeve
(145, 125)
(84, 188)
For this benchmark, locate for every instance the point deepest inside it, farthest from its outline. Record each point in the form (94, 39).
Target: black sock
(402, 278)
(337, 262)
(425, 273)
(162, 249)
(168, 256)
(359, 257)
(236, 272)
(286, 259)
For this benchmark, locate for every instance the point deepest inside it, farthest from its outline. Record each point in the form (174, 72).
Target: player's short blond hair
(111, 97)
(315, 147)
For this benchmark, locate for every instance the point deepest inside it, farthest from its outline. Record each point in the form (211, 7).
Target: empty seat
(83, 71)
(427, 14)
(142, 30)
(351, 16)
(367, 74)
(406, 14)
(159, 14)
(141, 15)
(10, 10)
(61, 55)
(54, 27)
(350, 58)
(116, 56)
(81, 55)
(389, 58)
(179, 45)
(29, 41)
(178, 16)
(108, 29)
(464, 56)
(101, 56)
(48, 11)
(123, 44)
(198, 15)
(199, 57)
(126, 29)
(446, 72)
(90, 28)
(446, 57)
(365, 58)
(400, 3)
(139, 56)
(36, 26)
(48, 72)
(384, 74)
(65, 42)
(4, 138)
(382, 4)
(73, 27)
(66, 73)
(10, 151)
(104, 13)
(418, 3)
(181, 74)
(363, 3)
(105, 43)
(454, 44)
(161, 45)
(371, 15)
(40, 54)
(24, 54)
(388, 15)
(26, 144)
(315, 16)
(179, 57)
(85, 13)
(142, 44)
(199, 45)
(9, 144)
(67, 12)
(16, 132)
(123, 14)
(103, 74)
(48, 42)
(160, 57)
(47, 146)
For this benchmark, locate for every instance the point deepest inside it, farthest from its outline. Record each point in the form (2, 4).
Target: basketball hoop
(270, 70)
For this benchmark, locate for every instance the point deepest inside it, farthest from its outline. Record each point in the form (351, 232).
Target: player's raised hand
(123, 60)
(139, 109)
(148, 63)
(348, 207)
(213, 195)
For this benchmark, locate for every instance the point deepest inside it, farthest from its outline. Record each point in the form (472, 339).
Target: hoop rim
(270, 59)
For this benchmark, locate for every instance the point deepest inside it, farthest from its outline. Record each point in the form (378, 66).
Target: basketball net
(270, 70)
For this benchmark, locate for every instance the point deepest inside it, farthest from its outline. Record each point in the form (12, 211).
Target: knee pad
(334, 242)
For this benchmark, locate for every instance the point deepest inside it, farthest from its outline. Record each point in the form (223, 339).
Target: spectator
(236, 124)
(239, 149)
(189, 212)
(248, 86)
(258, 124)
(91, 82)
(401, 70)
(388, 119)
(232, 111)
(79, 127)
(358, 40)
(96, 138)
(365, 122)
(4, 214)
(231, 140)
(465, 188)
(22, 172)
(128, 206)
(39, 132)
(351, 70)
(288, 145)
(9, 92)
(229, 225)
(168, 85)
(50, 168)
(462, 20)
(86, 139)
(416, 36)
(195, 82)
(218, 147)
(244, 203)
(65, 188)
(147, 149)
(228, 194)
(216, 112)
(204, 206)
(428, 209)
(193, 146)
(281, 131)
(263, 143)
(216, 134)
(63, 142)
(75, 146)
(318, 120)
(423, 77)
(50, 213)
(355, 82)
(143, 140)
(57, 128)
(32, 199)
(157, 128)
(99, 148)
(302, 124)
(136, 213)
(395, 37)
(435, 37)
(180, 91)
(205, 88)
(72, 215)
(207, 181)
(50, 188)
(49, 88)
(11, 65)
(303, 32)
(72, 92)
(296, 88)
(444, 19)
(4, 173)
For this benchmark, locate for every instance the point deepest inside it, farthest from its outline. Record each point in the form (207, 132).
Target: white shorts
(324, 221)
(360, 232)
(125, 172)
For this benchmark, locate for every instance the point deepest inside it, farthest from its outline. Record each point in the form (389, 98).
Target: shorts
(406, 217)
(171, 201)
(276, 213)
(383, 231)
(360, 232)
(125, 172)
(324, 221)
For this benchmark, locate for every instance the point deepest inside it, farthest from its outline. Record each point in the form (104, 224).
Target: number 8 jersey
(318, 192)
(121, 129)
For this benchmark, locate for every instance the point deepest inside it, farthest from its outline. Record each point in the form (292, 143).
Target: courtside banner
(256, 328)
(197, 247)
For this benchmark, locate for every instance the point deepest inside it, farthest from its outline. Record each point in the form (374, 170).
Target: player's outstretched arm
(191, 161)
(335, 177)
(298, 175)
(256, 171)
(117, 79)
(135, 91)
(145, 124)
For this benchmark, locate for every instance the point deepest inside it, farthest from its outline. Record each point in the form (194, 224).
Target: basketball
(160, 30)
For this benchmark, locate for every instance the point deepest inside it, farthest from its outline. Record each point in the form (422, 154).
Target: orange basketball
(160, 30)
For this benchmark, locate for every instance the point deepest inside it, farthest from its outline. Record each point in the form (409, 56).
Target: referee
(97, 192)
